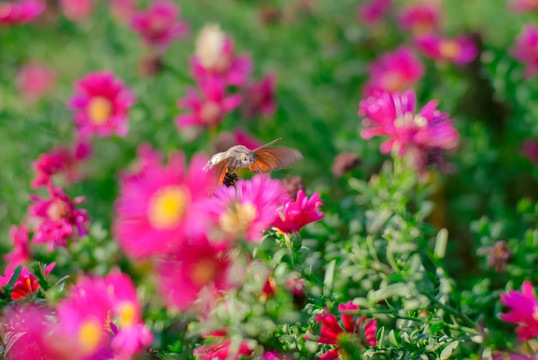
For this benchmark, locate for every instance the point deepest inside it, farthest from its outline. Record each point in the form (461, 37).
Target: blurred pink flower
(512, 356)
(393, 115)
(215, 56)
(123, 10)
(249, 208)
(421, 17)
(102, 103)
(159, 25)
(260, 97)
(21, 247)
(526, 49)
(521, 6)
(209, 109)
(273, 355)
(460, 50)
(35, 79)
(395, 71)
(530, 150)
(63, 161)
(20, 12)
(523, 311)
(222, 348)
(57, 218)
(77, 10)
(156, 208)
(331, 330)
(191, 268)
(296, 214)
(227, 139)
(372, 11)
(26, 283)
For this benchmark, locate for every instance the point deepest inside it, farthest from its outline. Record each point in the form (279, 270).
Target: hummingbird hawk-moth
(263, 159)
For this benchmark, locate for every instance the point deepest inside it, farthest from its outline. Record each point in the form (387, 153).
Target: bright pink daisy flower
(102, 103)
(354, 326)
(260, 97)
(215, 56)
(371, 12)
(526, 49)
(26, 283)
(395, 71)
(523, 311)
(156, 209)
(35, 79)
(191, 269)
(21, 247)
(421, 18)
(393, 115)
(57, 218)
(522, 6)
(209, 109)
(249, 208)
(460, 50)
(159, 25)
(77, 10)
(296, 214)
(20, 12)
(222, 348)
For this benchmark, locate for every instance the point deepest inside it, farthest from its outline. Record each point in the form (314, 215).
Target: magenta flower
(209, 109)
(393, 115)
(77, 10)
(222, 348)
(523, 311)
(215, 57)
(395, 71)
(102, 103)
(526, 49)
(123, 10)
(26, 283)
(249, 208)
(355, 326)
(522, 6)
(421, 18)
(530, 150)
(260, 97)
(191, 268)
(156, 209)
(296, 214)
(35, 79)
(159, 25)
(20, 12)
(460, 50)
(371, 12)
(21, 247)
(57, 218)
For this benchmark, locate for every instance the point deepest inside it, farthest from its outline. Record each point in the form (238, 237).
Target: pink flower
(123, 10)
(191, 268)
(102, 103)
(421, 18)
(249, 208)
(530, 150)
(156, 209)
(523, 311)
(371, 12)
(512, 356)
(260, 97)
(159, 25)
(62, 160)
(526, 49)
(77, 10)
(331, 331)
(393, 115)
(26, 283)
(209, 109)
(222, 349)
(57, 218)
(227, 139)
(21, 247)
(20, 12)
(35, 79)
(296, 214)
(395, 71)
(459, 50)
(521, 6)
(215, 56)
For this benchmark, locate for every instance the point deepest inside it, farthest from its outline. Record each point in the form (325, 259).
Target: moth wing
(220, 169)
(269, 159)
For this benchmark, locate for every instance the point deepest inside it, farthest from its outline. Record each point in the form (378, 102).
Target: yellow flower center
(57, 210)
(89, 335)
(167, 207)
(210, 112)
(203, 272)
(450, 49)
(126, 314)
(410, 120)
(238, 218)
(99, 110)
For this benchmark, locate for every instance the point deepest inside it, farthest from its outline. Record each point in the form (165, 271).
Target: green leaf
(329, 277)
(14, 277)
(440, 243)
